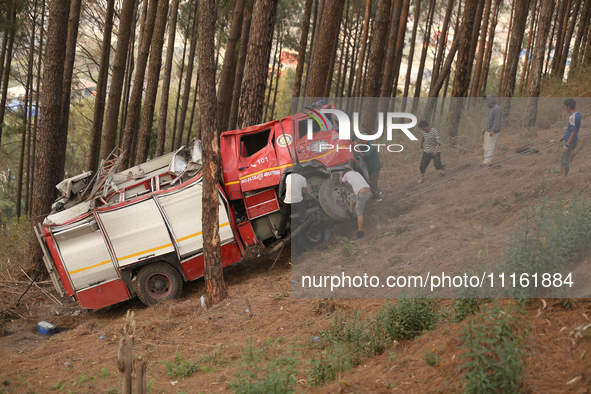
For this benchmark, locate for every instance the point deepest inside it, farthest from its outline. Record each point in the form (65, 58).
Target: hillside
(462, 219)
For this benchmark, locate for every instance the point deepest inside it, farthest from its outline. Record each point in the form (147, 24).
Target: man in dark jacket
(492, 128)
(373, 167)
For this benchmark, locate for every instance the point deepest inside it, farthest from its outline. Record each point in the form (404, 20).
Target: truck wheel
(334, 199)
(157, 282)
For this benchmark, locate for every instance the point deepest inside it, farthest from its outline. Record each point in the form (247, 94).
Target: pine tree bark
(27, 122)
(193, 110)
(357, 88)
(37, 107)
(317, 23)
(73, 22)
(583, 27)
(47, 169)
(163, 113)
(301, 54)
(188, 79)
(278, 73)
(11, 34)
(178, 97)
(400, 47)
(463, 66)
(118, 74)
(411, 53)
(225, 76)
(535, 76)
(388, 66)
(147, 119)
(101, 91)
(567, 40)
(244, 35)
(481, 47)
(563, 19)
(489, 48)
(135, 100)
(442, 44)
(426, 41)
(271, 78)
(256, 66)
(509, 37)
(529, 44)
(215, 286)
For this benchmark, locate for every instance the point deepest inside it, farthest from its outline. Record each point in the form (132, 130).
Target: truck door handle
(242, 168)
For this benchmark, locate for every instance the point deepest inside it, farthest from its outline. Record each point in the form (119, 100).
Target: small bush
(495, 350)
(270, 369)
(547, 239)
(409, 318)
(431, 358)
(179, 367)
(464, 307)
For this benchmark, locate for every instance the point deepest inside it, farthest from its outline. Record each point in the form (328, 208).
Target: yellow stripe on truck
(142, 252)
(284, 166)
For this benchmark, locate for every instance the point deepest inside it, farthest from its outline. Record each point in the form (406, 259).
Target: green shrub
(409, 318)
(547, 239)
(495, 352)
(464, 307)
(431, 358)
(179, 367)
(270, 369)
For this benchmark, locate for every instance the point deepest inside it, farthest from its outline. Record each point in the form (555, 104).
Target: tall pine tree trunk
(442, 44)
(426, 41)
(244, 35)
(481, 47)
(49, 153)
(256, 67)
(147, 120)
(11, 33)
(509, 37)
(411, 53)
(529, 44)
(178, 97)
(188, 79)
(225, 76)
(357, 88)
(567, 40)
(215, 286)
(135, 100)
(301, 54)
(163, 113)
(463, 67)
(115, 90)
(101, 91)
(535, 78)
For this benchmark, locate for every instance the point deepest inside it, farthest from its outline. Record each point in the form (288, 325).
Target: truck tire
(157, 282)
(334, 199)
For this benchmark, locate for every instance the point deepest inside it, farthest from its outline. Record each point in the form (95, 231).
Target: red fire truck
(137, 232)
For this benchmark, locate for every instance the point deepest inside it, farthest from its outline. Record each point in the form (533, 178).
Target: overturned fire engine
(137, 232)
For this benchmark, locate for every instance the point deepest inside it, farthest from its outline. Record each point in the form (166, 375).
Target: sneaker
(359, 235)
(421, 180)
(377, 199)
(443, 171)
(276, 233)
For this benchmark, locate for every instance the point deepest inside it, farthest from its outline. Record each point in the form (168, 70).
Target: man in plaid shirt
(431, 145)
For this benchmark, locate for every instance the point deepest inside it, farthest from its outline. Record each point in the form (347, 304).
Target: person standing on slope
(492, 128)
(571, 136)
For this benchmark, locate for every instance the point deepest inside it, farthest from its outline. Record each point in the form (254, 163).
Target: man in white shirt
(295, 190)
(360, 197)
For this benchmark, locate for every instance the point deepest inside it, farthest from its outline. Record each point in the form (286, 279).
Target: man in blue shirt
(571, 136)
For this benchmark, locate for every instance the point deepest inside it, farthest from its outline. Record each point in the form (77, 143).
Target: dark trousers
(427, 159)
(373, 183)
(286, 210)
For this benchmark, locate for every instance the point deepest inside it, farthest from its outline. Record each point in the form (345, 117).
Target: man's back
(294, 183)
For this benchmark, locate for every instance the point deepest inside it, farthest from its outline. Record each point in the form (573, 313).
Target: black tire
(334, 199)
(157, 282)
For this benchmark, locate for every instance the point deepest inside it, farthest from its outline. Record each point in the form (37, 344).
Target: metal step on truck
(137, 232)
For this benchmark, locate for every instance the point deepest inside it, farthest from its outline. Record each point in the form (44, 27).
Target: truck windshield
(252, 143)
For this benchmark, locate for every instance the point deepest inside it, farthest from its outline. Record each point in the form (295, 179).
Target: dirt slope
(446, 227)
